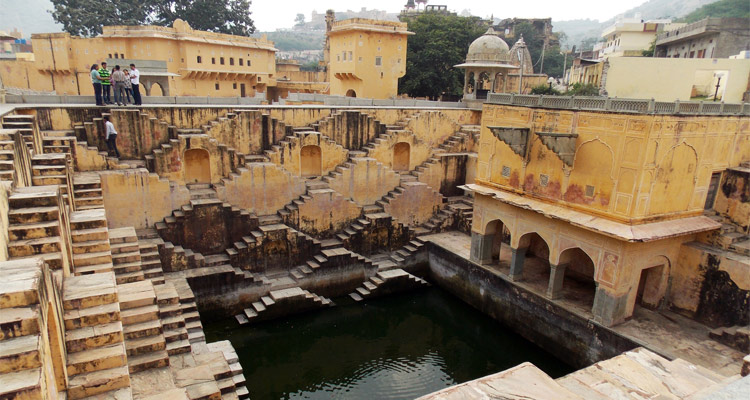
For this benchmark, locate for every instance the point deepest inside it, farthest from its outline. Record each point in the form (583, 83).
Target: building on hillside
(707, 38)
(542, 26)
(668, 79)
(630, 37)
(174, 61)
(366, 57)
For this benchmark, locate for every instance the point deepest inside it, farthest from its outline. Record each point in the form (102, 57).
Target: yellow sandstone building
(366, 57)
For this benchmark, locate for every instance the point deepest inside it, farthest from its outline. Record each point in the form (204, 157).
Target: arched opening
(197, 166)
(500, 236)
(470, 83)
(156, 90)
(401, 154)
(310, 161)
(351, 93)
(650, 293)
(483, 85)
(532, 257)
(574, 278)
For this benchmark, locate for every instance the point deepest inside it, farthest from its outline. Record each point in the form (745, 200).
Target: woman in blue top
(97, 82)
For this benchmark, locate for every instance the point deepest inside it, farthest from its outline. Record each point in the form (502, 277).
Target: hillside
(722, 8)
(30, 16)
(578, 31)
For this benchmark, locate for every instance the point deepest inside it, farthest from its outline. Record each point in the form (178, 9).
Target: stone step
(33, 214)
(146, 344)
(138, 315)
(20, 353)
(92, 316)
(34, 230)
(88, 219)
(129, 277)
(93, 246)
(142, 329)
(18, 321)
(89, 291)
(29, 247)
(93, 269)
(26, 384)
(85, 235)
(85, 259)
(93, 336)
(96, 359)
(98, 382)
(178, 346)
(142, 362)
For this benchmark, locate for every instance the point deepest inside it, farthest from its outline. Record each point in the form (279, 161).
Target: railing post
(572, 102)
(512, 98)
(700, 107)
(651, 105)
(677, 106)
(539, 100)
(721, 107)
(608, 103)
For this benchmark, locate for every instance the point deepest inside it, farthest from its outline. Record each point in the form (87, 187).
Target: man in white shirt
(111, 137)
(135, 76)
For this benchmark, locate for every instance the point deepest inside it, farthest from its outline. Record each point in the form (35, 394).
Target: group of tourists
(125, 83)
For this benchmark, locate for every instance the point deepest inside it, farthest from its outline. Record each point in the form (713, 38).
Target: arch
(469, 82)
(499, 234)
(532, 260)
(351, 93)
(652, 282)
(197, 166)
(576, 282)
(674, 183)
(401, 155)
(157, 89)
(482, 82)
(311, 161)
(591, 181)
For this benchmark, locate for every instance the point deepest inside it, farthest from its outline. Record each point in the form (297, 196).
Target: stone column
(481, 248)
(505, 82)
(466, 82)
(609, 308)
(518, 256)
(556, 275)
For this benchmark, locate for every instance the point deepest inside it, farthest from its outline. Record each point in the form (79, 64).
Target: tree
(439, 42)
(651, 49)
(721, 8)
(225, 16)
(86, 17)
(299, 20)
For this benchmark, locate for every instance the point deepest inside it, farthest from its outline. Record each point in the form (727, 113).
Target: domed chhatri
(488, 47)
(488, 59)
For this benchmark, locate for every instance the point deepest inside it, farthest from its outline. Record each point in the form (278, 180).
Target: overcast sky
(272, 14)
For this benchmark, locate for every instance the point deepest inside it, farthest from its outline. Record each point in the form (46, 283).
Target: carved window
(506, 171)
(543, 179)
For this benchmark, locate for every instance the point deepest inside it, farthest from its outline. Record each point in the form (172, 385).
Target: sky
(272, 14)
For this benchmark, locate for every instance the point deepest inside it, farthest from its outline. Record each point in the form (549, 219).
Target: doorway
(310, 161)
(649, 286)
(401, 157)
(197, 166)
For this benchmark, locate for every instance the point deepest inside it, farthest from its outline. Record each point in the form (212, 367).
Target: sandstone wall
(733, 197)
(324, 212)
(414, 204)
(365, 182)
(137, 198)
(262, 188)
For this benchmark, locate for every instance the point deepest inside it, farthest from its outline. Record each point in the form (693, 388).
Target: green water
(399, 347)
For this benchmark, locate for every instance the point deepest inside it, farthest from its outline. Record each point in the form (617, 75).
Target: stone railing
(620, 105)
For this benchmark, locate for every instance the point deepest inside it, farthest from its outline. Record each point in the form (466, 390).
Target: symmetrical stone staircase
(126, 256)
(91, 251)
(34, 226)
(286, 153)
(25, 124)
(283, 302)
(329, 260)
(387, 282)
(97, 358)
(144, 337)
(87, 190)
(737, 337)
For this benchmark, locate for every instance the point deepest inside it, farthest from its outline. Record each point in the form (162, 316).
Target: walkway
(663, 332)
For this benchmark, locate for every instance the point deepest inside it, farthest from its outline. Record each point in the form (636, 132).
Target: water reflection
(400, 347)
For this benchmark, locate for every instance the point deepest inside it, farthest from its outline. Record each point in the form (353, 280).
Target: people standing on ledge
(97, 82)
(111, 137)
(104, 75)
(135, 82)
(128, 86)
(118, 80)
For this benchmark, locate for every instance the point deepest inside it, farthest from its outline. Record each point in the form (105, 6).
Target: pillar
(518, 256)
(609, 308)
(481, 248)
(556, 275)
(466, 83)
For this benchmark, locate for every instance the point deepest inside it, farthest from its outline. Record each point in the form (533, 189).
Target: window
(231, 60)
(221, 60)
(543, 179)
(199, 59)
(234, 85)
(248, 62)
(242, 60)
(378, 61)
(117, 55)
(338, 58)
(110, 55)
(213, 60)
(122, 55)
(350, 56)
(506, 171)
(590, 191)
(216, 85)
(343, 55)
